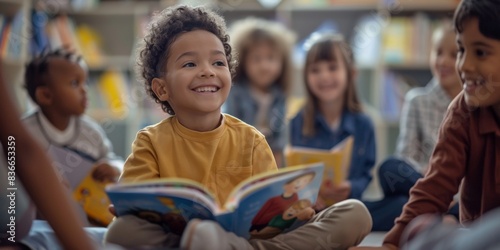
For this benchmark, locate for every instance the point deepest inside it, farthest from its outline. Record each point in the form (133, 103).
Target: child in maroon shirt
(468, 148)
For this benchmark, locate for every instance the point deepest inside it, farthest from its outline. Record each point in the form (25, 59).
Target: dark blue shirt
(242, 105)
(363, 152)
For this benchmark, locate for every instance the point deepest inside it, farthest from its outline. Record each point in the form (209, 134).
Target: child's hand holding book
(332, 192)
(103, 172)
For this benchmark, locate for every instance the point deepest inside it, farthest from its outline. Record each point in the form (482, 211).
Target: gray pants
(340, 226)
(483, 234)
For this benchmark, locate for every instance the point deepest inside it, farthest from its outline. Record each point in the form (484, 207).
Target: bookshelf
(13, 64)
(304, 17)
(119, 25)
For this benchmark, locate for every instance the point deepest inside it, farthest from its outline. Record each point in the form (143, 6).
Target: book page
(257, 205)
(337, 160)
(164, 200)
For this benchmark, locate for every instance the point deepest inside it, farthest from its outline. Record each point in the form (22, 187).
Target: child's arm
(262, 159)
(434, 192)
(409, 145)
(39, 178)
(141, 164)
(361, 176)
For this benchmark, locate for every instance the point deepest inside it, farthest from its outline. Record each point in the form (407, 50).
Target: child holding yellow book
(333, 113)
(57, 82)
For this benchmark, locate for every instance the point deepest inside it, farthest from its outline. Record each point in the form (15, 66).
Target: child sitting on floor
(186, 64)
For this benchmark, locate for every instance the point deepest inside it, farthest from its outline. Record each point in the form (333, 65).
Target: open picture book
(336, 160)
(87, 192)
(249, 211)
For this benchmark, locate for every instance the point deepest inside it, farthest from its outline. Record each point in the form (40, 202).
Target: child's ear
(43, 96)
(159, 87)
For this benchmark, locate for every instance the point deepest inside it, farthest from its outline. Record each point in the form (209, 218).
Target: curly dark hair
(37, 68)
(486, 11)
(164, 28)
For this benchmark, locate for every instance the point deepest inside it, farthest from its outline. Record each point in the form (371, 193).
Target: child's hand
(306, 214)
(112, 210)
(337, 193)
(106, 173)
(320, 204)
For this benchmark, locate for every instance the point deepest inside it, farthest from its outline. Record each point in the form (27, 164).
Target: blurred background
(390, 38)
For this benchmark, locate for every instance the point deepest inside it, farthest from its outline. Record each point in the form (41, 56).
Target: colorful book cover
(113, 87)
(90, 194)
(397, 42)
(90, 45)
(260, 207)
(336, 160)
(16, 36)
(53, 35)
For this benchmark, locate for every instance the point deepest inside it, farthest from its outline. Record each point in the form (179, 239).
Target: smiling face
(263, 65)
(477, 63)
(197, 78)
(443, 58)
(327, 79)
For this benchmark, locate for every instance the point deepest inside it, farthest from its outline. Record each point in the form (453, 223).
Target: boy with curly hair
(466, 156)
(186, 64)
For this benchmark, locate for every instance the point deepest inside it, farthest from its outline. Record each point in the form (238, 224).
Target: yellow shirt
(219, 159)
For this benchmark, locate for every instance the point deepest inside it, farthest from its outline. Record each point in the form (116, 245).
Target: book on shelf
(252, 210)
(76, 169)
(397, 41)
(112, 85)
(393, 94)
(408, 40)
(336, 161)
(62, 31)
(11, 36)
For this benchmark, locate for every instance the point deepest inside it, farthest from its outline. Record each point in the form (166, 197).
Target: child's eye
(314, 70)
(219, 63)
(75, 83)
(480, 53)
(188, 65)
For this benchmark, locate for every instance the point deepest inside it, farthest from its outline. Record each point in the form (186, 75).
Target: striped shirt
(422, 114)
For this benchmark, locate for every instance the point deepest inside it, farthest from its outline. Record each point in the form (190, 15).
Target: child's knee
(389, 165)
(115, 230)
(122, 230)
(131, 231)
(355, 213)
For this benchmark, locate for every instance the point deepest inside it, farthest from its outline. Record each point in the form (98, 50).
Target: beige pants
(340, 226)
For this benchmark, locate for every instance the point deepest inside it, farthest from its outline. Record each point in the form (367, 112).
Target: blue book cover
(260, 207)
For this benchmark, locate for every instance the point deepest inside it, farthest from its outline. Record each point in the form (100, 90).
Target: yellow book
(113, 87)
(91, 195)
(76, 169)
(397, 41)
(336, 160)
(90, 45)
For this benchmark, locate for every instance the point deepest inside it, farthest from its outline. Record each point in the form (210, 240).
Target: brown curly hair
(248, 32)
(164, 28)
